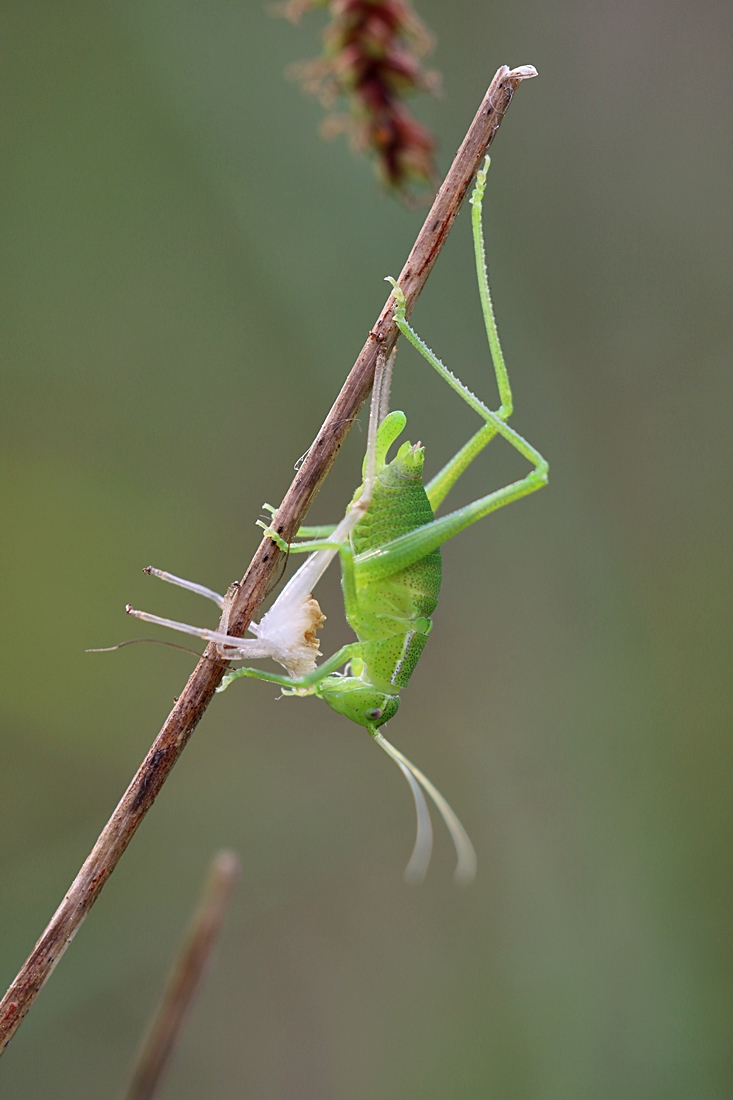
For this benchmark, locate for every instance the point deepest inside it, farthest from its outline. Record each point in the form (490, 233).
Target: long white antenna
(417, 867)
(465, 871)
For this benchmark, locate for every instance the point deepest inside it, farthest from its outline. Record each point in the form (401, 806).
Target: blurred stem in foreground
(372, 60)
(188, 971)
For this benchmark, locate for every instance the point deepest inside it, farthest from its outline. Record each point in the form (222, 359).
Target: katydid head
(362, 703)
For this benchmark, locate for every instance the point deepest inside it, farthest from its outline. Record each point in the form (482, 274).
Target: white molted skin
(290, 633)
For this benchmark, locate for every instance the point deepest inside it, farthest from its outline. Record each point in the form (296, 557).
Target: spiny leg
(491, 418)
(487, 308)
(438, 488)
(405, 550)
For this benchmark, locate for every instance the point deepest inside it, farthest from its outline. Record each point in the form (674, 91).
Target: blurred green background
(187, 275)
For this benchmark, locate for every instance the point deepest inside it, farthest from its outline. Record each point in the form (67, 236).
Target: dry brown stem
(263, 570)
(187, 972)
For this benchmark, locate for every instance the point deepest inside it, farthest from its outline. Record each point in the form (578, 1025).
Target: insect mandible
(389, 546)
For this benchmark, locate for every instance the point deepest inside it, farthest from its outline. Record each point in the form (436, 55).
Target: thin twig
(263, 570)
(188, 970)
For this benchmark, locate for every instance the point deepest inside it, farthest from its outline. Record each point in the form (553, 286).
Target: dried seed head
(371, 58)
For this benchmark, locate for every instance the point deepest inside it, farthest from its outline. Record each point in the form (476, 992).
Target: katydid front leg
(307, 683)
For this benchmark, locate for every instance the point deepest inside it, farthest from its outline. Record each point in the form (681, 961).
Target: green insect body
(389, 548)
(390, 616)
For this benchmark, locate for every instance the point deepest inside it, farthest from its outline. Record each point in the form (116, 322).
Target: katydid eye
(373, 714)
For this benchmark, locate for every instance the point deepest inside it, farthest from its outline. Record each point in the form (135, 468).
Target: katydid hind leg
(404, 551)
(490, 418)
(438, 488)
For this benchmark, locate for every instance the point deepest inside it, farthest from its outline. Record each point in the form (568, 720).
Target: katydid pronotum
(389, 546)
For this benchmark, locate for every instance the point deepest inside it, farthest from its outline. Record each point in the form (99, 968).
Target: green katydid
(389, 546)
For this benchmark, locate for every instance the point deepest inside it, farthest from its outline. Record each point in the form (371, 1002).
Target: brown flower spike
(371, 58)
